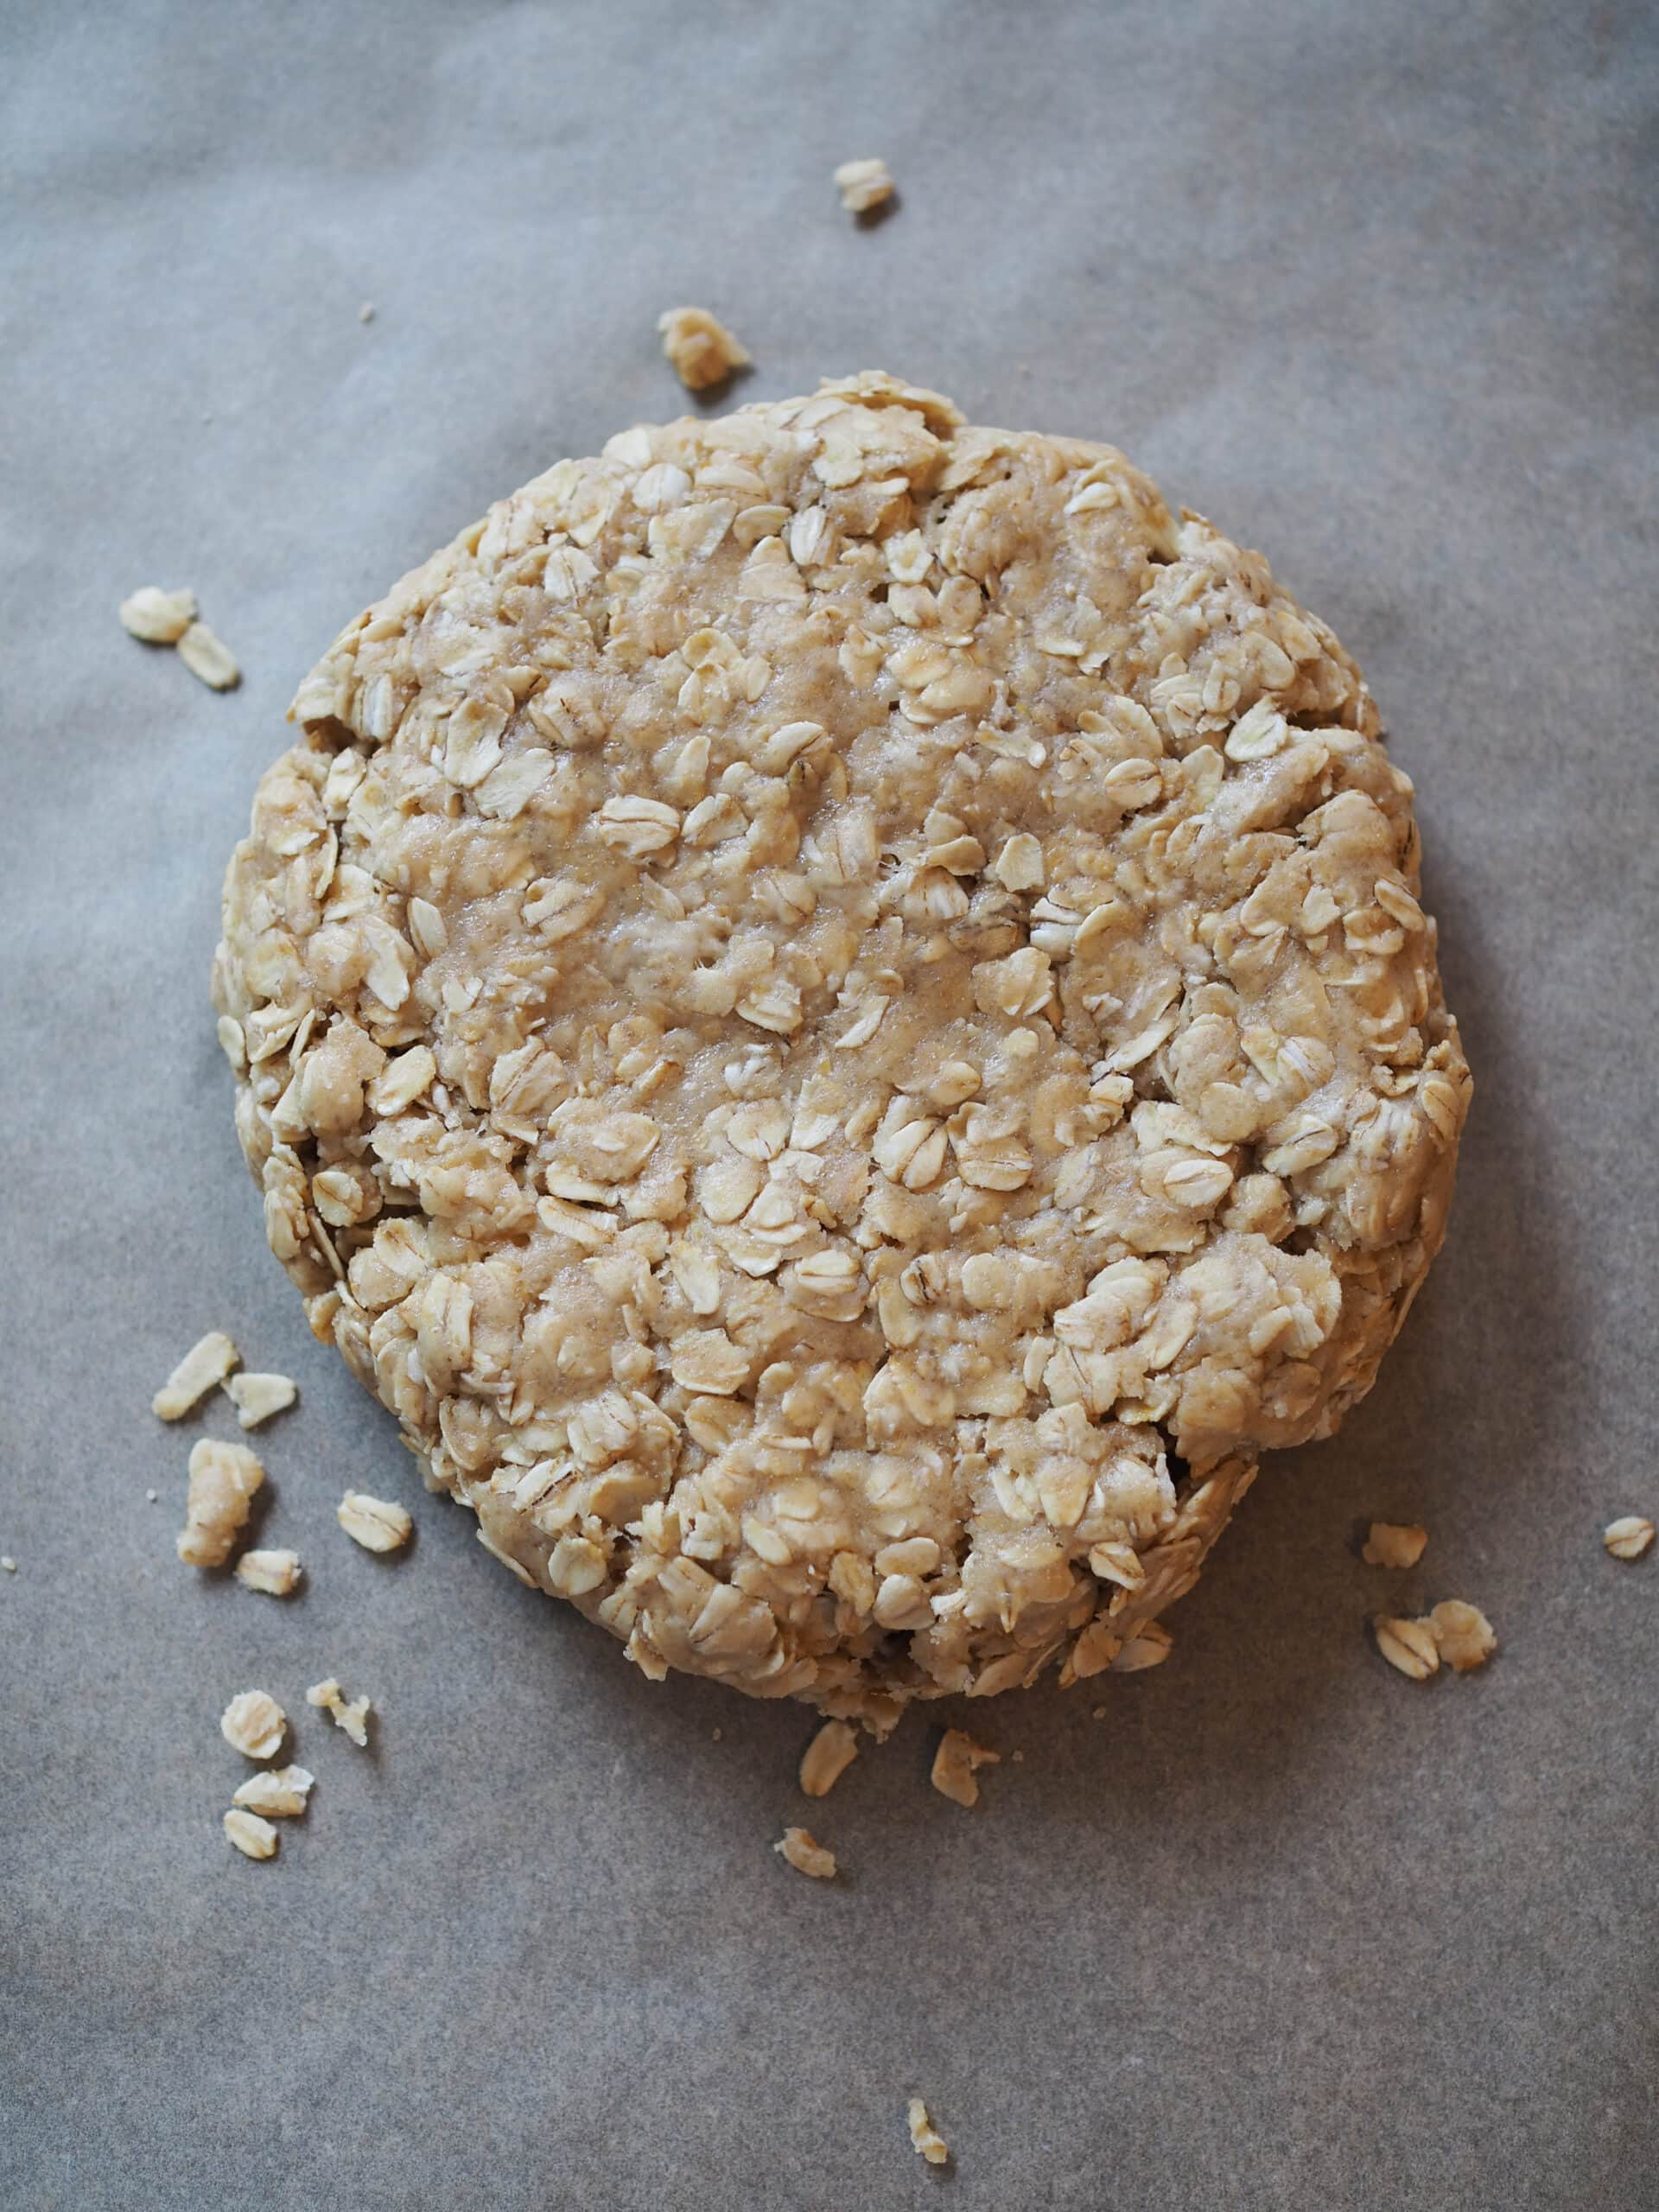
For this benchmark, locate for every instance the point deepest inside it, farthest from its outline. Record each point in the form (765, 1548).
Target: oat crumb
(279, 1793)
(806, 1856)
(924, 2138)
(374, 1522)
(863, 185)
(153, 1496)
(223, 1480)
(352, 1716)
(366, 312)
(1629, 1536)
(256, 1397)
(1463, 1635)
(954, 1766)
(714, 1735)
(253, 1838)
(276, 1574)
(8, 1565)
(704, 352)
(1099, 1712)
(209, 658)
(827, 1758)
(208, 1361)
(253, 1724)
(158, 617)
(1393, 1543)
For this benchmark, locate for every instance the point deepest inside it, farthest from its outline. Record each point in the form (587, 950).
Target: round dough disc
(832, 1010)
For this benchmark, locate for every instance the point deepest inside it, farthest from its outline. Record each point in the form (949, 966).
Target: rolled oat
(805, 1856)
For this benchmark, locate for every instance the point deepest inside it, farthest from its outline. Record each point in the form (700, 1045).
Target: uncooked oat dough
(832, 1009)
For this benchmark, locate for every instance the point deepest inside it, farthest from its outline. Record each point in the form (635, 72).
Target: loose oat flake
(279, 1793)
(374, 1522)
(827, 1758)
(276, 1574)
(806, 1856)
(208, 1361)
(254, 1723)
(926, 2138)
(1408, 1645)
(256, 1397)
(832, 1008)
(1629, 1536)
(158, 617)
(253, 1837)
(1392, 1544)
(208, 658)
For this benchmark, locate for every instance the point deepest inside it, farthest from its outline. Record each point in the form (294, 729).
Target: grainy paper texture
(1370, 285)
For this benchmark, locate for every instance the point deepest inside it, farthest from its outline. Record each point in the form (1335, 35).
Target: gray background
(1372, 284)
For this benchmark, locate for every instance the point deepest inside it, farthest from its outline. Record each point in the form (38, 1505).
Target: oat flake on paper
(832, 1009)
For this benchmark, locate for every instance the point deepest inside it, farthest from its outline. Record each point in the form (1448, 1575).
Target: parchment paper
(1370, 284)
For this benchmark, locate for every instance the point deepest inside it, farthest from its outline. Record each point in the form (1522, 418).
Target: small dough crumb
(209, 658)
(1629, 1536)
(8, 1565)
(160, 618)
(253, 1838)
(827, 1758)
(923, 2135)
(954, 1766)
(253, 1724)
(275, 1573)
(374, 1522)
(205, 1362)
(353, 1717)
(366, 312)
(1393, 1543)
(256, 1397)
(1463, 1635)
(863, 185)
(279, 1793)
(223, 1479)
(806, 1856)
(704, 352)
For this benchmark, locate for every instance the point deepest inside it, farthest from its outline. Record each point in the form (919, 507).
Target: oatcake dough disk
(832, 1010)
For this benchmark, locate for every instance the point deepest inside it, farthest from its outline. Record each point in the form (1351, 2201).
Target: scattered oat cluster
(224, 1478)
(169, 618)
(1457, 1633)
(255, 1725)
(833, 1010)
